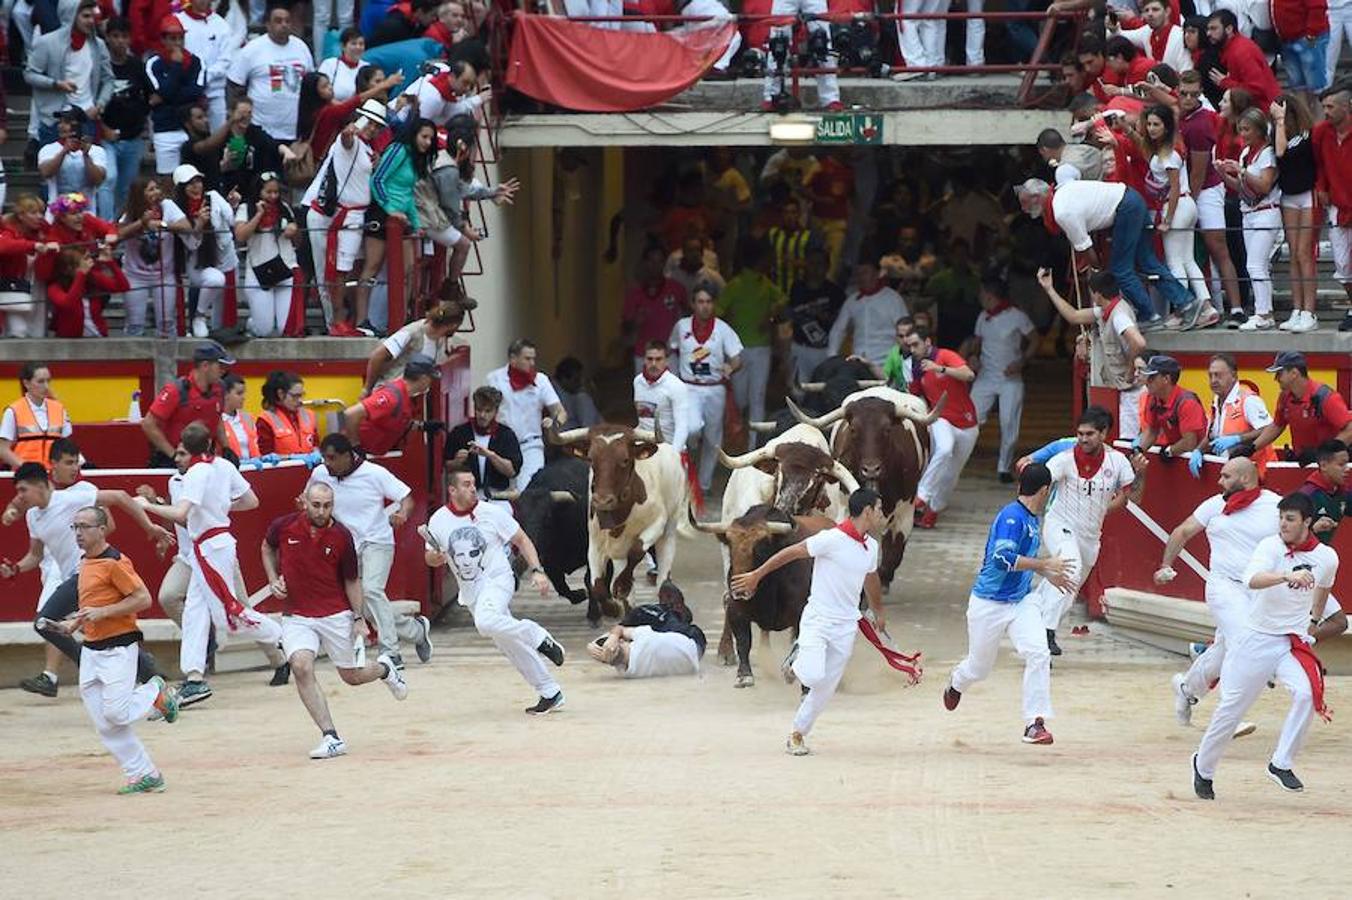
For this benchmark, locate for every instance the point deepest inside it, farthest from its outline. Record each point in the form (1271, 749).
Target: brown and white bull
(637, 492)
(882, 436)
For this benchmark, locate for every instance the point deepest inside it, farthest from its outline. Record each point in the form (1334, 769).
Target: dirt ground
(680, 787)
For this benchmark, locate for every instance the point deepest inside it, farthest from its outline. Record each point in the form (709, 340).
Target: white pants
(168, 150)
(582, 9)
(748, 386)
(30, 323)
(1253, 661)
(160, 292)
(1178, 247)
(706, 409)
(269, 308)
(976, 34)
(108, 689)
(922, 43)
(516, 638)
(348, 249)
(656, 653)
(174, 592)
(718, 14)
(374, 562)
(1341, 239)
(824, 648)
(210, 284)
(949, 449)
(1129, 412)
(203, 609)
(1228, 602)
(1340, 26)
(828, 90)
(1082, 554)
(806, 359)
(532, 461)
(990, 620)
(324, 20)
(1261, 231)
(1211, 208)
(1009, 391)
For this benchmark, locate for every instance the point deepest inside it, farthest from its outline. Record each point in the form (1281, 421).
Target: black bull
(552, 511)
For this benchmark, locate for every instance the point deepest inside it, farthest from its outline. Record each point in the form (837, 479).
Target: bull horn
(763, 427)
(871, 383)
(927, 420)
(562, 496)
(504, 495)
(812, 387)
(641, 435)
(778, 527)
(571, 436)
(848, 483)
(818, 422)
(703, 526)
(746, 459)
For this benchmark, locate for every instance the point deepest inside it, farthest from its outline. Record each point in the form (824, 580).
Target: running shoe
(190, 692)
(1201, 786)
(149, 784)
(796, 746)
(424, 645)
(551, 650)
(394, 679)
(166, 704)
(42, 684)
(1037, 733)
(1285, 778)
(546, 705)
(330, 747)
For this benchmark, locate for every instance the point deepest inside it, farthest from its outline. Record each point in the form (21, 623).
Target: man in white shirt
(660, 399)
(212, 489)
(1002, 343)
(72, 164)
(1235, 521)
(870, 314)
(708, 351)
(1158, 38)
(432, 336)
(470, 538)
(207, 37)
(1089, 481)
(844, 566)
(527, 397)
(370, 502)
(452, 90)
(269, 69)
(1290, 575)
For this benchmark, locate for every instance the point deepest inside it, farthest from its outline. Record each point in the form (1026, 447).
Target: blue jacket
(178, 86)
(1014, 533)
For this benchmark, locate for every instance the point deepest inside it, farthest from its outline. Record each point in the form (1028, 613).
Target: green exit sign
(850, 128)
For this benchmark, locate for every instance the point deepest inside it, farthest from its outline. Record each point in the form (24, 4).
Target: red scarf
(272, 215)
(1304, 546)
(999, 308)
(77, 39)
(1240, 500)
(439, 32)
(847, 526)
(1318, 480)
(202, 457)
(865, 293)
(442, 83)
(1159, 41)
(650, 379)
(463, 512)
(1112, 305)
(1304, 655)
(1085, 464)
(1049, 214)
(195, 206)
(702, 331)
(351, 65)
(518, 379)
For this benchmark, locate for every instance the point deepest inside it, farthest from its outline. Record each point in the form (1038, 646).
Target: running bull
(552, 511)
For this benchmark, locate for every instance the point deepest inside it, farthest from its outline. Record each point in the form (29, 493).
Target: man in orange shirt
(111, 594)
(937, 372)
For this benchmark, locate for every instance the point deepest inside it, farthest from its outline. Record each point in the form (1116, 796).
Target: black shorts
(374, 224)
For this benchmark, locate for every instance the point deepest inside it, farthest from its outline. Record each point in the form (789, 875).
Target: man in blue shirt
(997, 604)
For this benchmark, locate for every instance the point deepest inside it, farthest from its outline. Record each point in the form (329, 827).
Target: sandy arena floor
(680, 787)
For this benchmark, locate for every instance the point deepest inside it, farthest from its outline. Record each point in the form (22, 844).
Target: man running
(470, 538)
(212, 489)
(844, 565)
(311, 563)
(999, 604)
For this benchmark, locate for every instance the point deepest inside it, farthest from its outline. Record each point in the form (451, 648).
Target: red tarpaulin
(580, 67)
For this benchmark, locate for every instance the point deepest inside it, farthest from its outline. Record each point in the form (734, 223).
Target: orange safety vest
(1233, 421)
(33, 443)
(285, 438)
(250, 433)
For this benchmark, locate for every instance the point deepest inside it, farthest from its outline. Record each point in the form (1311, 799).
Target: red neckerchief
(1318, 480)
(201, 457)
(1049, 214)
(999, 308)
(461, 513)
(1314, 671)
(194, 14)
(1304, 546)
(1088, 465)
(864, 293)
(77, 39)
(702, 332)
(439, 32)
(272, 215)
(847, 526)
(650, 379)
(1112, 305)
(518, 379)
(195, 206)
(1240, 500)
(442, 83)
(1159, 41)
(351, 65)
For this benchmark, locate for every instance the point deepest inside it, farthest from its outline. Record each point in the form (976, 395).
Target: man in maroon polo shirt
(198, 397)
(1332, 139)
(311, 564)
(1314, 412)
(378, 423)
(1244, 63)
(1175, 418)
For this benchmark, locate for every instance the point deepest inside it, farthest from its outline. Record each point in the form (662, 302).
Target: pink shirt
(653, 312)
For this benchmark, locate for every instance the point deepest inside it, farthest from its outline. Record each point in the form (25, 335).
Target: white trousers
(749, 383)
(1082, 554)
(1340, 26)
(532, 461)
(269, 308)
(516, 638)
(108, 689)
(325, 20)
(210, 284)
(658, 653)
(174, 592)
(1178, 246)
(349, 246)
(718, 13)
(203, 608)
(824, 648)
(31, 323)
(922, 43)
(806, 359)
(706, 409)
(1341, 239)
(1229, 603)
(168, 150)
(1261, 231)
(949, 449)
(1253, 661)
(828, 90)
(159, 291)
(1129, 412)
(987, 622)
(582, 9)
(374, 562)
(986, 390)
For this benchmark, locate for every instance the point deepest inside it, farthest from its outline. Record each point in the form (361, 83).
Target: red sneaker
(835, 106)
(1037, 733)
(767, 106)
(342, 329)
(921, 507)
(928, 520)
(951, 698)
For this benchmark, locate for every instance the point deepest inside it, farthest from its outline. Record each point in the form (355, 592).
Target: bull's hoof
(576, 597)
(745, 681)
(727, 659)
(612, 608)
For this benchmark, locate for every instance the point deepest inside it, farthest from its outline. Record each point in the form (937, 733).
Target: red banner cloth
(579, 67)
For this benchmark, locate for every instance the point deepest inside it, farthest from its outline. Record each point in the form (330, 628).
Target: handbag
(300, 169)
(16, 295)
(431, 215)
(272, 272)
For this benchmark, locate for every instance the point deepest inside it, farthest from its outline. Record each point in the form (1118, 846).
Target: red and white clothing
(702, 349)
(16, 261)
(653, 313)
(1333, 168)
(148, 263)
(316, 564)
(1165, 45)
(1178, 238)
(526, 400)
(662, 407)
(342, 75)
(335, 241)
(1002, 333)
(210, 40)
(952, 436)
(271, 73)
(1316, 417)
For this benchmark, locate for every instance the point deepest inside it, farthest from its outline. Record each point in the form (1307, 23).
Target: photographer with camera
(818, 54)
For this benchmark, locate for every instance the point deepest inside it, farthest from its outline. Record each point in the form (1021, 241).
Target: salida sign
(849, 128)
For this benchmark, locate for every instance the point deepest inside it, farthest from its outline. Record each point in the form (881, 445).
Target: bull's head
(614, 452)
(871, 430)
(751, 538)
(801, 471)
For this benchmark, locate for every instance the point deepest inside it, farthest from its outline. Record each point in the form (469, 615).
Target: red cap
(171, 25)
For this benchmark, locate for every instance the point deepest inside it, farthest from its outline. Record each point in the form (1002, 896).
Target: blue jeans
(1022, 33)
(1133, 249)
(1306, 62)
(124, 164)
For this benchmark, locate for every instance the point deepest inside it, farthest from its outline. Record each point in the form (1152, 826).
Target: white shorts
(1211, 208)
(1298, 201)
(333, 633)
(655, 653)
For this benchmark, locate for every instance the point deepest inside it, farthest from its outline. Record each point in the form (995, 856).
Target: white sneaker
(394, 679)
(329, 748)
(199, 327)
(796, 746)
(1182, 702)
(1306, 323)
(1295, 319)
(1257, 323)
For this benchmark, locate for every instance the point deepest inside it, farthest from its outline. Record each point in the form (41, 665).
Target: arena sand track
(679, 787)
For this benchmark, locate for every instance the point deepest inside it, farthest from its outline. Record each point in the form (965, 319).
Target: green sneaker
(166, 702)
(150, 784)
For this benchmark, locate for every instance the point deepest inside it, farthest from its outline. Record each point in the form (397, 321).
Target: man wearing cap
(198, 397)
(1315, 412)
(176, 82)
(1175, 418)
(1080, 208)
(335, 222)
(527, 397)
(378, 423)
